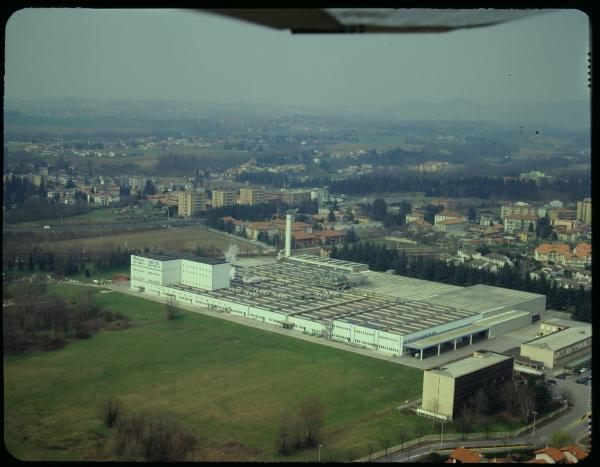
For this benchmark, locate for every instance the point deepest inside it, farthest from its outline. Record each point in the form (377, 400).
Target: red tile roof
(466, 456)
(303, 236)
(330, 233)
(553, 453)
(561, 248)
(576, 450)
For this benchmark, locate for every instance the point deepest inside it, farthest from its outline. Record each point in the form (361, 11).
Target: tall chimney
(288, 236)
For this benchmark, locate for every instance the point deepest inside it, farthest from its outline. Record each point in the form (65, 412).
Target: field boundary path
(415, 448)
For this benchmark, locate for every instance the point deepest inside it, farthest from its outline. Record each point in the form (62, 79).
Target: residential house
(465, 456)
(556, 252)
(304, 239)
(454, 226)
(517, 208)
(253, 229)
(327, 237)
(448, 215)
(550, 455)
(574, 453)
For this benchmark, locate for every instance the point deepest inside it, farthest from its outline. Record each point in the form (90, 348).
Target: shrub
(109, 411)
(152, 437)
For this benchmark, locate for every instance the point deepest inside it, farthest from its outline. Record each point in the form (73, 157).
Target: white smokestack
(288, 236)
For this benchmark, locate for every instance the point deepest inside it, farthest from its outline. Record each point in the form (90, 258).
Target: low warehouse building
(447, 388)
(342, 301)
(556, 349)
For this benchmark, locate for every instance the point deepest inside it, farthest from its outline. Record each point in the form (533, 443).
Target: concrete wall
(381, 341)
(546, 356)
(221, 276)
(512, 325)
(438, 394)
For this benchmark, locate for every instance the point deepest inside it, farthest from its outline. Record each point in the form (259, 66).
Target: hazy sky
(178, 54)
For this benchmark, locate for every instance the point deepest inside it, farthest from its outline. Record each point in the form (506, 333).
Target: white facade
(152, 270)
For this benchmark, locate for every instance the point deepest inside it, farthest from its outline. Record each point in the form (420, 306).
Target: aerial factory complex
(341, 300)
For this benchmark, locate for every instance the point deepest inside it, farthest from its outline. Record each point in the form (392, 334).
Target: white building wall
(170, 272)
(442, 328)
(221, 276)
(514, 324)
(307, 326)
(195, 274)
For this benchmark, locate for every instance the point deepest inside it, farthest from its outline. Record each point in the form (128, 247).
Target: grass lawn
(230, 384)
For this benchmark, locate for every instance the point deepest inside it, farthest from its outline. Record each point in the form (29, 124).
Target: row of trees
(301, 429)
(257, 212)
(516, 397)
(382, 258)
(454, 187)
(39, 320)
(71, 261)
(378, 211)
(39, 208)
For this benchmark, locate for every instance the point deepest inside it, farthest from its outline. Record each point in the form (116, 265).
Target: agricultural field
(95, 216)
(228, 383)
(174, 238)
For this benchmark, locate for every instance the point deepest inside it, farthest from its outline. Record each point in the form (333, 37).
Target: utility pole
(320, 446)
(533, 431)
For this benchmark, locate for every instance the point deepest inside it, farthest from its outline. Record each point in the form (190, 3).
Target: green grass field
(230, 384)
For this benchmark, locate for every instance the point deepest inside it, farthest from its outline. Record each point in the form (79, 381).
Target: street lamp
(442, 434)
(320, 446)
(533, 431)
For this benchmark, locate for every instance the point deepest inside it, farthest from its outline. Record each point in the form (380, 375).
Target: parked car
(551, 381)
(563, 376)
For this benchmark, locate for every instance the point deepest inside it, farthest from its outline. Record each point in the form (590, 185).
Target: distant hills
(571, 115)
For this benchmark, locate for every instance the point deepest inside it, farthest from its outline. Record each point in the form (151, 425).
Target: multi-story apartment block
(584, 211)
(222, 198)
(252, 196)
(190, 202)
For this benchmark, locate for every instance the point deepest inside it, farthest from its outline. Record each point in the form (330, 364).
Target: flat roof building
(558, 348)
(343, 301)
(445, 389)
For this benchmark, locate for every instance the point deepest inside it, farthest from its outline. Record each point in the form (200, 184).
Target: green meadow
(228, 383)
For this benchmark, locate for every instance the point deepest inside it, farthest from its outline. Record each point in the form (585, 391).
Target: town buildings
(190, 203)
(221, 198)
(584, 211)
(252, 196)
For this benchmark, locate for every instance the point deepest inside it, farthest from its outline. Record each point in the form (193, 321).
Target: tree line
(71, 261)
(454, 187)
(38, 320)
(380, 257)
(257, 212)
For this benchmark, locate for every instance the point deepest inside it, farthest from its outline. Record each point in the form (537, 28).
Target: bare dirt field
(175, 238)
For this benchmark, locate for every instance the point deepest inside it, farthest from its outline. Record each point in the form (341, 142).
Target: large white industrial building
(341, 300)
